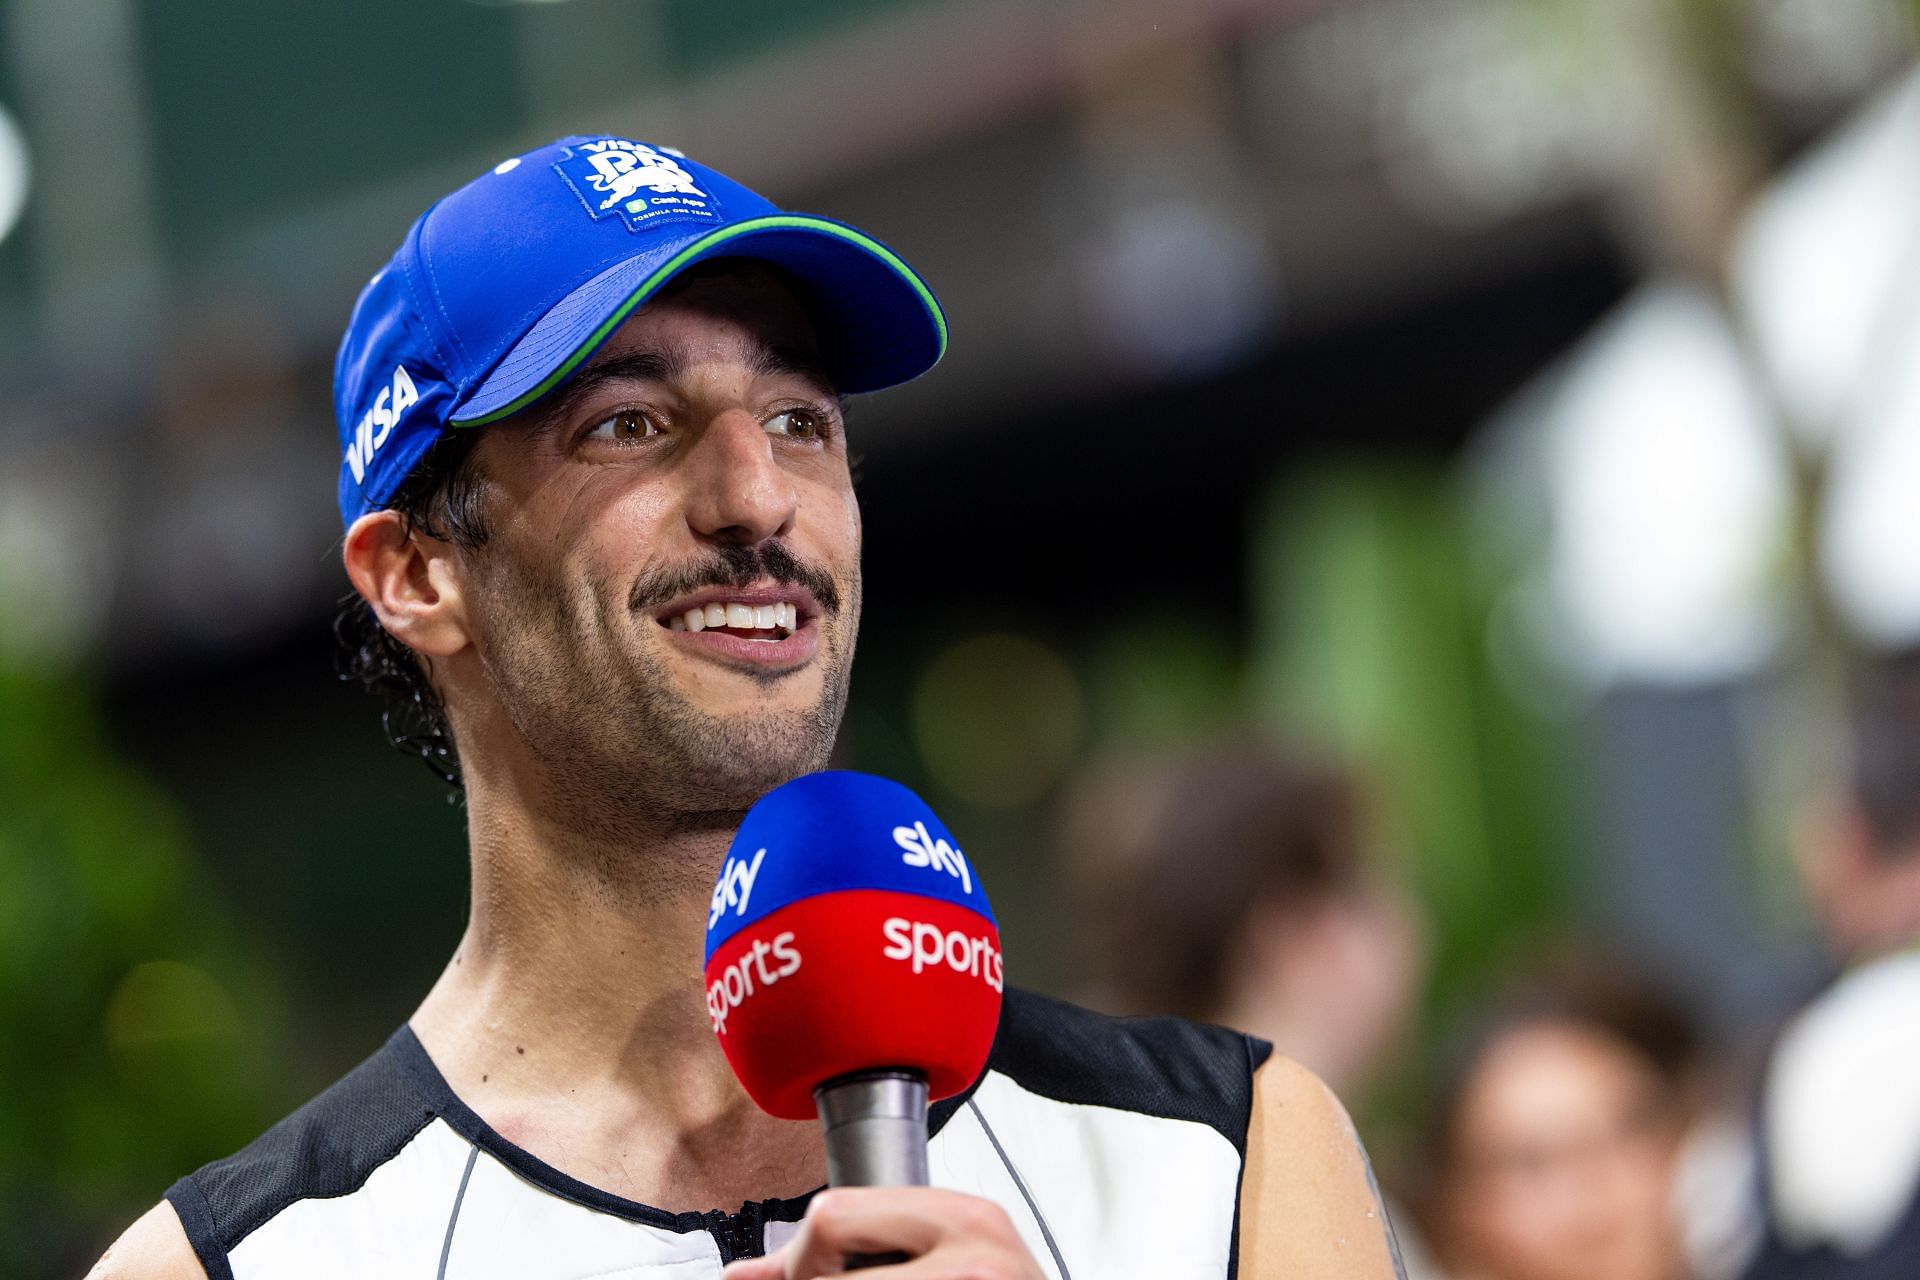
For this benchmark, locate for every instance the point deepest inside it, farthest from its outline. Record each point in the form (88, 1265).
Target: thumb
(771, 1267)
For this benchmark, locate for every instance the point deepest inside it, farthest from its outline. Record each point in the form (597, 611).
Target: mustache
(734, 566)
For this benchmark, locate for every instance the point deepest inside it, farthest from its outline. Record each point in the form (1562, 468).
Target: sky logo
(919, 848)
(734, 888)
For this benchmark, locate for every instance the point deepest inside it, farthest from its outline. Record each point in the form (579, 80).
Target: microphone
(853, 969)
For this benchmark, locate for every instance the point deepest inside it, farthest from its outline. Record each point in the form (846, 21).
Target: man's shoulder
(1159, 1066)
(327, 1148)
(153, 1248)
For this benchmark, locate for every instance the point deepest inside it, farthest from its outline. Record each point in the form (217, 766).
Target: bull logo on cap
(614, 175)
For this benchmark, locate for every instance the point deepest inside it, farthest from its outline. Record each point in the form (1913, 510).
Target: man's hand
(944, 1233)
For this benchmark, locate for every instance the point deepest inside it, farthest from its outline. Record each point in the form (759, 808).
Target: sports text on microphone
(925, 944)
(736, 982)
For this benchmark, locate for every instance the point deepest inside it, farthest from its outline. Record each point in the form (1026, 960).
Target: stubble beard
(626, 757)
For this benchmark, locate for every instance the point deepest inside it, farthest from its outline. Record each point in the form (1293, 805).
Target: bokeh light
(998, 718)
(16, 173)
(1670, 498)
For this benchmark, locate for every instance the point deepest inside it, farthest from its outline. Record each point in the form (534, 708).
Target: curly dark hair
(441, 498)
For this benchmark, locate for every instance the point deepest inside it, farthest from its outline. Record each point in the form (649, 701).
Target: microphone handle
(875, 1124)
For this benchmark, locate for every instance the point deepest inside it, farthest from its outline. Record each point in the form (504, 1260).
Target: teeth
(782, 617)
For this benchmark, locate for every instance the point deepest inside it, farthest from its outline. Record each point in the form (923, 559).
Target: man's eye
(803, 423)
(627, 425)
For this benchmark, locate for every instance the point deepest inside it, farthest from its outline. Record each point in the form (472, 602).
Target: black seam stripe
(1059, 1263)
(1258, 1051)
(446, 1247)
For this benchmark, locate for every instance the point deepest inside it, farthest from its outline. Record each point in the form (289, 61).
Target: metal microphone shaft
(875, 1124)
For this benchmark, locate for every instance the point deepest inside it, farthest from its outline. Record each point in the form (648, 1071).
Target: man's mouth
(764, 613)
(765, 622)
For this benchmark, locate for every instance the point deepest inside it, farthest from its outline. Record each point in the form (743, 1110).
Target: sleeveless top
(1115, 1145)
(1838, 1151)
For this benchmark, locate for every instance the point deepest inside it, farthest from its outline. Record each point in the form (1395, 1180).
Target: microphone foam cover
(848, 932)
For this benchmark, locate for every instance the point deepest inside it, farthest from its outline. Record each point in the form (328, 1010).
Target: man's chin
(736, 785)
(708, 741)
(729, 762)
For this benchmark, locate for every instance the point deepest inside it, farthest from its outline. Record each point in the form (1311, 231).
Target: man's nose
(737, 490)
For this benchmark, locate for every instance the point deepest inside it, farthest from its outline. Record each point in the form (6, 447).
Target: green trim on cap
(679, 260)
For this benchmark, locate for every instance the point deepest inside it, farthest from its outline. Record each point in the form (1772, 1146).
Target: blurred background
(1509, 406)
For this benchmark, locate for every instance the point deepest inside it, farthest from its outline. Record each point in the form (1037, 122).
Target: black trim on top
(1258, 1051)
(738, 1234)
(944, 1110)
(327, 1148)
(196, 1217)
(1166, 1067)
(463, 1120)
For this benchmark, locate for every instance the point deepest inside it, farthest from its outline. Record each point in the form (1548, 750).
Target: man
(1839, 1119)
(596, 484)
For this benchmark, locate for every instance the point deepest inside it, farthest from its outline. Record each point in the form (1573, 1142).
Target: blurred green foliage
(1161, 680)
(123, 998)
(1377, 617)
(998, 718)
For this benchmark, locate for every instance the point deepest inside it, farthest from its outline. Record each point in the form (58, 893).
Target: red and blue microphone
(853, 968)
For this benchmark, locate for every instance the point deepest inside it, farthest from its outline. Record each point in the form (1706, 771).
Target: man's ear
(412, 582)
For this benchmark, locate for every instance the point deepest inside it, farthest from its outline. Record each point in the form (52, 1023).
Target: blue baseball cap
(506, 287)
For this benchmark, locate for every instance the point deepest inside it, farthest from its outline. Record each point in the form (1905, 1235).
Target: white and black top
(1839, 1134)
(1115, 1145)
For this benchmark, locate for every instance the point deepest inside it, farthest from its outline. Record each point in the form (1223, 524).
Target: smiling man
(600, 517)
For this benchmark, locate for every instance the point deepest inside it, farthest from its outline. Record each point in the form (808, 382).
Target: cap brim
(878, 322)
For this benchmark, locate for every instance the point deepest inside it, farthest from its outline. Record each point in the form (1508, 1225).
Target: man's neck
(572, 1017)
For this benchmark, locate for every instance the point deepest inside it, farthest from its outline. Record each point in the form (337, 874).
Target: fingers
(874, 1220)
(771, 1267)
(937, 1229)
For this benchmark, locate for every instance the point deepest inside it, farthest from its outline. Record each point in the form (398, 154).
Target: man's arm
(1309, 1208)
(154, 1248)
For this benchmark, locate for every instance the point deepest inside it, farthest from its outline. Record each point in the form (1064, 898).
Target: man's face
(666, 603)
